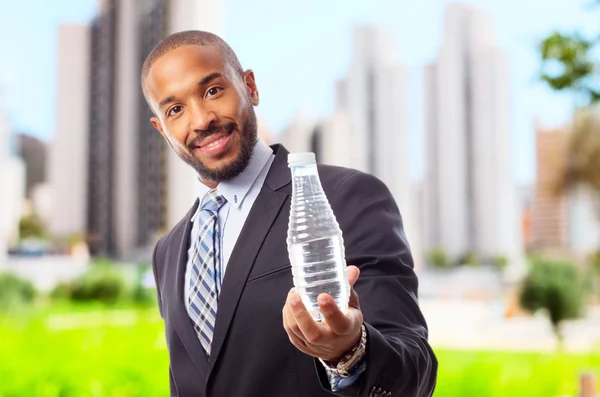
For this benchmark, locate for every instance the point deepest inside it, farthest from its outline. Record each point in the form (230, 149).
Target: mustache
(203, 134)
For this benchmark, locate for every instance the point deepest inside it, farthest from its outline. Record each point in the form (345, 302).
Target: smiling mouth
(214, 144)
(220, 137)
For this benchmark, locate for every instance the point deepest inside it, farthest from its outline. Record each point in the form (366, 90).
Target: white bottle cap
(295, 159)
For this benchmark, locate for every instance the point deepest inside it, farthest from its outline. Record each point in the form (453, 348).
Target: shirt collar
(236, 189)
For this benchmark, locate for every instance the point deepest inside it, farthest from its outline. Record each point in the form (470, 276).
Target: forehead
(178, 66)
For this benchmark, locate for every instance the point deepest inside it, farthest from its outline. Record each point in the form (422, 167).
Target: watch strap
(351, 359)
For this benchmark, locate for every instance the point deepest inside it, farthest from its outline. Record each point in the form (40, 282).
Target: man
(234, 325)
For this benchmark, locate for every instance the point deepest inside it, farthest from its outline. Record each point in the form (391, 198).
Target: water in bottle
(315, 241)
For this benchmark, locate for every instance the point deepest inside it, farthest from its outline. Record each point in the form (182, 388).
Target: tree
(594, 271)
(556, 288)
(569, 64)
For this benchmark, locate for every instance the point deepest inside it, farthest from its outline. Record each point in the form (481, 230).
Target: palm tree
(582, 163)
(568, 65)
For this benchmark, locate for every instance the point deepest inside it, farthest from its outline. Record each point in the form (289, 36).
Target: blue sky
(298, 49)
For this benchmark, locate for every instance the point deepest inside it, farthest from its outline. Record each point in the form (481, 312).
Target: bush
(144, 291)
(62, 291)
(103, 283)
(469, 259)
(557, 289)
(107, 283)
(500, 262)
(31, 227)
(438, 259)
(15, 291)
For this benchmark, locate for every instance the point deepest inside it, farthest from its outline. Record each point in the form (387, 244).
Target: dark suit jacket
(251, 353)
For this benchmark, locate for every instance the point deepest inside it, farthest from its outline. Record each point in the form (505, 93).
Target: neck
(209, 183)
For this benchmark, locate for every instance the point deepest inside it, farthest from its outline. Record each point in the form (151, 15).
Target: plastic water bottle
(315, 241)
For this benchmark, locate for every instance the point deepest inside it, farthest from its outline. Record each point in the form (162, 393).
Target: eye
(213, 91)
(174, 110)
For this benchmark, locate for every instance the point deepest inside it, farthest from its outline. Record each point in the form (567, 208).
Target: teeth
(215, 143)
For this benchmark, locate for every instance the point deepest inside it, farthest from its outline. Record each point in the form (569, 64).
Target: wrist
(344, 365)
(354, 345)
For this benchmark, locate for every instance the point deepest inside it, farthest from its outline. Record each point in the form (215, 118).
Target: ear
(158, 126)
(251, 86)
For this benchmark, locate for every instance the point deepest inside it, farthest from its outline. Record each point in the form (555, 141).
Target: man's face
(204, 109)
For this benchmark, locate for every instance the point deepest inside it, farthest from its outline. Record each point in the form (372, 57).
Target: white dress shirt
(240, 193)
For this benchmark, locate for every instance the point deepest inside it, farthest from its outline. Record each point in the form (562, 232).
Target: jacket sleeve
(156, 279)
(399, 360)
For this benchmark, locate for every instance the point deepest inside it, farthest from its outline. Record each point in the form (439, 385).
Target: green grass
(98, 353)
(85, 350)
(514, 374)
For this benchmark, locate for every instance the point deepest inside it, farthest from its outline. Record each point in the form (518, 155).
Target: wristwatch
(344, 367)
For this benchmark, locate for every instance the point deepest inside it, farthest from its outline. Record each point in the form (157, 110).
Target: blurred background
(480, 116)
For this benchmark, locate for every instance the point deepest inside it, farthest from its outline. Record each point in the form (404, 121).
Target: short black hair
(189, 37)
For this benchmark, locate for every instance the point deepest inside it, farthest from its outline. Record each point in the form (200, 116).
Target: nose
(202, 116)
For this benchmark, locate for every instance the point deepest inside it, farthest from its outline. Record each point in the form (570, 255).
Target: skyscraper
(471, 197)
(101, 138)
(372, 95)
(68, 156)
(12, 180)
(326, 137)
(4, 222)
(33, 151)
(153, 152)
(550, 220)
(140, 163)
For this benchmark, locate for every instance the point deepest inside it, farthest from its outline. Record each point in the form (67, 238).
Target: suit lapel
(181, 319)
(263, 214)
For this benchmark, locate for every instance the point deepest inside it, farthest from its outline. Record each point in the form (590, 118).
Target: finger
(353, 273)
(291, 326)
(289, 318)
(293, 336)
(337, 321)
(300, 345)
(353, 301)
(309, 328)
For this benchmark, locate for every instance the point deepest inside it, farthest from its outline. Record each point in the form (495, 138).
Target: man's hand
(328, 340)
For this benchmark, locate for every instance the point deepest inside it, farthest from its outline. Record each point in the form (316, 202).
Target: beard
(248, 135)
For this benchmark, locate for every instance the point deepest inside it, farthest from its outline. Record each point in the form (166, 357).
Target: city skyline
(131, 188)
(314, 76)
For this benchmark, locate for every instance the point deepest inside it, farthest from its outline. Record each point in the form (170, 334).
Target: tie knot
(213, 201)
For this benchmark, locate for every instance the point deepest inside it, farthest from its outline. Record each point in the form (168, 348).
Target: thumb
(353, 274)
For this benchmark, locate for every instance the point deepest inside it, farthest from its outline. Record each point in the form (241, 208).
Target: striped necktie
(205, 280)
